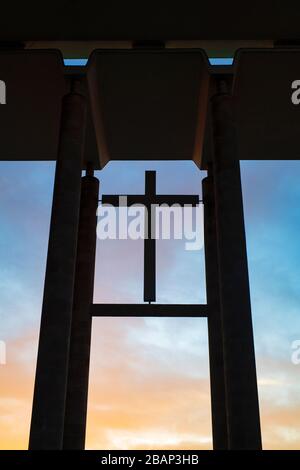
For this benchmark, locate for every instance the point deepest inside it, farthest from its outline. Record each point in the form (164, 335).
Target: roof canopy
(164, 20)
(150, 104)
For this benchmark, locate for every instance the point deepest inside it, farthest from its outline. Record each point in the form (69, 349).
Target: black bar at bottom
(138, 458)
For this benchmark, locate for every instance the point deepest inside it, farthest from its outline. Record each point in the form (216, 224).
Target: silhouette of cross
(149, 200)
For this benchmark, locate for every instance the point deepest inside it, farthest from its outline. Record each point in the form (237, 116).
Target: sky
(149, 380)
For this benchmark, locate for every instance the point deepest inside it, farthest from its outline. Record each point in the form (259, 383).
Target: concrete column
(47, 423)
(215, 338)
(79, 360)
(239, 357)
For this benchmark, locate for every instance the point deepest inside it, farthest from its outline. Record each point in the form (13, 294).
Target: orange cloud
(141, 397)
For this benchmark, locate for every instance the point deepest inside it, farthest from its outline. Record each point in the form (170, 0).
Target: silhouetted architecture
(157, 103)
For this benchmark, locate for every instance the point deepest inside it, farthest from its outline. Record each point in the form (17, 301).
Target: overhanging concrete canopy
(149, 104)
(29, 121)
(268, 122)
(35, 82)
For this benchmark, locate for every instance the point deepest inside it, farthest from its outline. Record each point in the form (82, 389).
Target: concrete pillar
(79, 360)
(47, 423)
(239, 357)
(215, 338)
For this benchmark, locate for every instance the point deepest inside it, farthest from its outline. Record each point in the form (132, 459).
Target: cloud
(141, 395)
(146, 393)
(149, 384)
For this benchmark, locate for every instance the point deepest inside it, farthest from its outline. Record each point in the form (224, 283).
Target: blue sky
(149, 377)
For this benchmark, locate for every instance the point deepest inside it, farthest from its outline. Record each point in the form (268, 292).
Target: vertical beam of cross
(150, 242)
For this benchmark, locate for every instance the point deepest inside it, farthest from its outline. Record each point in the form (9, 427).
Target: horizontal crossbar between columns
(149, 310)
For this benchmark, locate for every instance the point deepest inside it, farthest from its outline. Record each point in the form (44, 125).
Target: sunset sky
(149, 381)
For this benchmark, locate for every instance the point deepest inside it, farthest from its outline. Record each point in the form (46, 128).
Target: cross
(149, 200)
